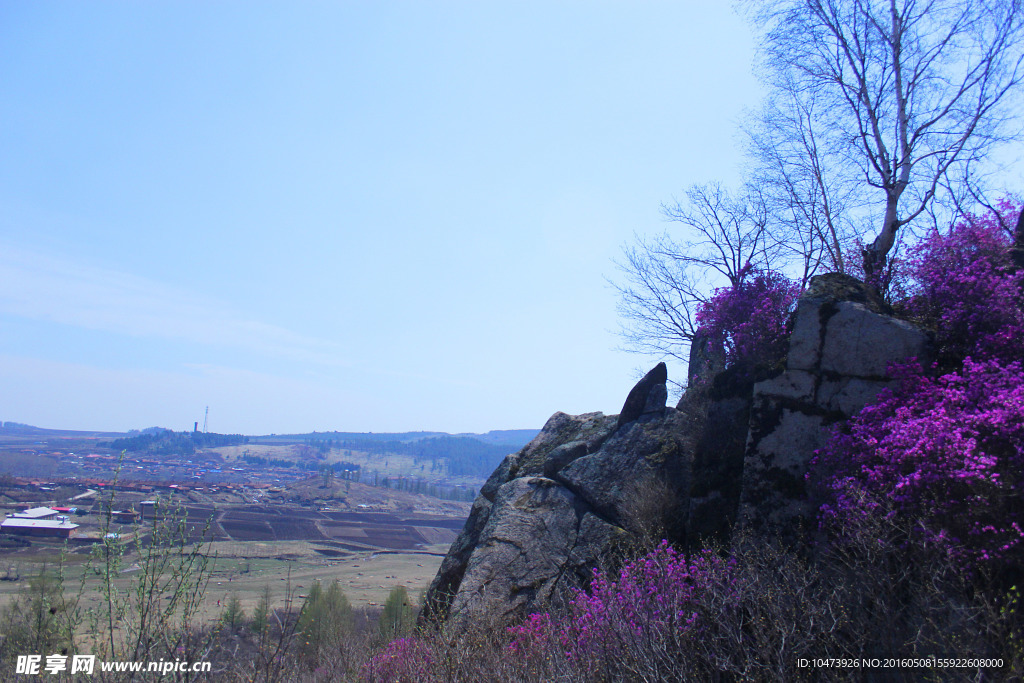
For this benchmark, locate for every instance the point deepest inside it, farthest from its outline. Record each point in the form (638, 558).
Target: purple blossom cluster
(651, 600)
(968, 290)
(748, 320)
(946, 452)
(405, 660)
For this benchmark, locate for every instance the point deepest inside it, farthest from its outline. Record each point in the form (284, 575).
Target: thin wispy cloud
(62, 290)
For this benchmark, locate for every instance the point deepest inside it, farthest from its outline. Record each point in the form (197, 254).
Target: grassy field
(244, 569)
(369, 539)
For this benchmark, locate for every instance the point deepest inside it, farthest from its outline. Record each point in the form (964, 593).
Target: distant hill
(517, 438)
(506, 440)
(166, 442)
(510, 438)
(474, 455)
(17, 428)
(343, 436)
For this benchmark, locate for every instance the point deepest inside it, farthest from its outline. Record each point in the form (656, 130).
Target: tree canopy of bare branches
(879, 115)
(881, 105)
(668, 279)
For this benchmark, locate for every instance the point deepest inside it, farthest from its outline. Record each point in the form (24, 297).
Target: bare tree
(811, 202)
(667, 280)
(890, 100)
(880, 115)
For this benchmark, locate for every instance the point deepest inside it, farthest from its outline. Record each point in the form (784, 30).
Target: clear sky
(362, 216)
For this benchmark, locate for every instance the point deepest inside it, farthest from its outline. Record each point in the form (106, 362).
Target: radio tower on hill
(206, 418)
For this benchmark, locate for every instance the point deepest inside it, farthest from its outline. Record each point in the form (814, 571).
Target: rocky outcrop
(734, 450)
(648, 396)
(553, 511)
(841, 345)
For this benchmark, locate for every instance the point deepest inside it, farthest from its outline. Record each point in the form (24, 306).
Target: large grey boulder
(561, 506)
(449, 575)
(470, 578)
(624, 470)
(648, 396)
(842, 342)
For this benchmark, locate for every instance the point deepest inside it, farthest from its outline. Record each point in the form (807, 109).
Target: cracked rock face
(533, 546)
(840, 347)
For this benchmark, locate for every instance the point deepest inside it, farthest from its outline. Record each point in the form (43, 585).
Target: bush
(406, 660)
(967, 290)
(38, 619)
(947, 452)
(749, 320)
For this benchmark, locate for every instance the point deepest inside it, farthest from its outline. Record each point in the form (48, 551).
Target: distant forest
(465, 456)
(167, 442)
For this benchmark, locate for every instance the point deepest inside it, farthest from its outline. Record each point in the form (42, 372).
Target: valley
(267, 514)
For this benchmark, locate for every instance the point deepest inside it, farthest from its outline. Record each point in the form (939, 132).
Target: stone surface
(590, 428)
(540, 541)
(563, 438)
(1017, 251)
(648, 447)
(847, 395)
(704, 361)
(861, 343)
(562, 455)
(840, 348)
(717, 469)
(637, 401)
(446, 583)
(657, 397)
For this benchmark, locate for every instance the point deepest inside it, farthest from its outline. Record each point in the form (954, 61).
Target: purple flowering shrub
(947, 452)
(405, 660)
(748, 320)
(653, 598)
(968, 291)
(647, 612)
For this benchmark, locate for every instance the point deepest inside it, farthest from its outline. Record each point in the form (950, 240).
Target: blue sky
(363, 216)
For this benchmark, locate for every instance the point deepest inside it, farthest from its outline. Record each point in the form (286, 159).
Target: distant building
(36, 513)
(124, 516)
(53, 528)
(148, 508)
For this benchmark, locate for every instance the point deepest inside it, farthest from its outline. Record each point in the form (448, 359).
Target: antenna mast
(206, 418)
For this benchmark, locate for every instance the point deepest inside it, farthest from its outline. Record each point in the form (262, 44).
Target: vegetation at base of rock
(947, 452)
(946, 449)
(749, 613)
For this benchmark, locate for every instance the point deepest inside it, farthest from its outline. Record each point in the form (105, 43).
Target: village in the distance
(373, 511)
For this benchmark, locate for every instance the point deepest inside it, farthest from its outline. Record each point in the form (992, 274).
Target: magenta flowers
(748, 321)
(947, 452)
